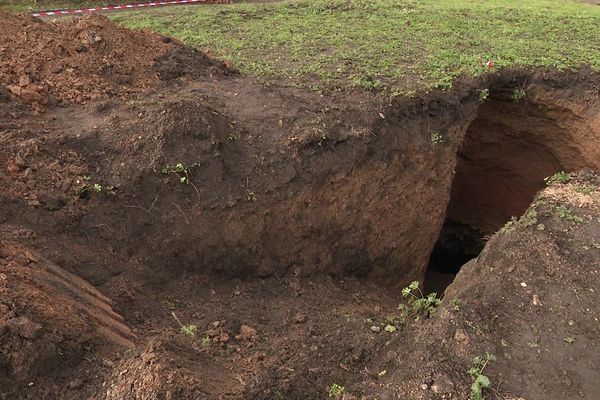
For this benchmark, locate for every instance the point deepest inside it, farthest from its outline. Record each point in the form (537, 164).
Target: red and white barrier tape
(124, 7)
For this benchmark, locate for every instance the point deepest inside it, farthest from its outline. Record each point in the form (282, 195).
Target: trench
(506, 152)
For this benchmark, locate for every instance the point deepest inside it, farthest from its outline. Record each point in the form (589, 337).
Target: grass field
(397, 45)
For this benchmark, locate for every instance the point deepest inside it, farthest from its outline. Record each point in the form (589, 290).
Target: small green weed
(169, 305)
(250, 195)
(335, 390)
(567, 214)
(436, 139)
(369, 84)
(518, 94)
(528, 219)
(206, 342)
(481, 381)
(586, 189)
(510, 225)
(187, 330)
(455, 303)
(417, 303)
(85, 187)
(559, 177)
(181, 170)
(483, 95)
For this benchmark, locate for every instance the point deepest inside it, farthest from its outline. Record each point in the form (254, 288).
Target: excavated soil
(290, 233)
(88, 59)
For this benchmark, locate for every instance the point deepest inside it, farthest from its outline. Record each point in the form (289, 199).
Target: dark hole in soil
(457, 244)
(506, 153)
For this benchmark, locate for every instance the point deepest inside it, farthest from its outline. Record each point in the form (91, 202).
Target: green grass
(402, 46)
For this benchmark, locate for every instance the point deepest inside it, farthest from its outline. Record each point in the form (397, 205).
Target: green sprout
(182, 171)
(85, 186)
(518, 94)
(436, 139)
(250, 195)
(187, 330)
(206, 342)
(586, 189)
(483, 95)
(417, 303)
(567, 214)
(481, 381)
(336, 390)
(559, 177)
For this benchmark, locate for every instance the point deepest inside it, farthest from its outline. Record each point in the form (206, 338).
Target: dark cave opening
(457, 244)
(507, 151)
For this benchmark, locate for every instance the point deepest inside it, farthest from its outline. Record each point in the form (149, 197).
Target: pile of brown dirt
(87, 59)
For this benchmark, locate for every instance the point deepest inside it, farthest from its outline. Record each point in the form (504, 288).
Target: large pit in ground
(511, 146)
(338, 196)
(282, 208)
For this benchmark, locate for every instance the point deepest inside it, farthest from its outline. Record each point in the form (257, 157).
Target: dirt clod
(23, 327)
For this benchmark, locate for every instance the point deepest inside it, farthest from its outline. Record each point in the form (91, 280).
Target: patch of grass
(395, 45)
(169, 305)
(455, 303)
(559, 177)
(586, 189)
(206, 342)
(510, 225)
(528, 219)
(567, 214)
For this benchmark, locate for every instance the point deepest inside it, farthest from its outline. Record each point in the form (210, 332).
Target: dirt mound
(87, 59)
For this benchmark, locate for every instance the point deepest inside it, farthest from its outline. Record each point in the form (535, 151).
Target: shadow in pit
(457, 244)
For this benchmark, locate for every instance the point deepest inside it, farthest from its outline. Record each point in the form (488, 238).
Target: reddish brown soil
(86, 59)
(512, 146)
(302, 218)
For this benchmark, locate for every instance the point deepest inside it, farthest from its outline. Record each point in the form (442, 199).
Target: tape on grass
(123, 7)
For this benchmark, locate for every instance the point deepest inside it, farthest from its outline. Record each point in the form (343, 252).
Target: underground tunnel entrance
(507, 151)
(457, 244)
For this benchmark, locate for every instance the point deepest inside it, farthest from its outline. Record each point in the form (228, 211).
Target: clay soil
(288, 231)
